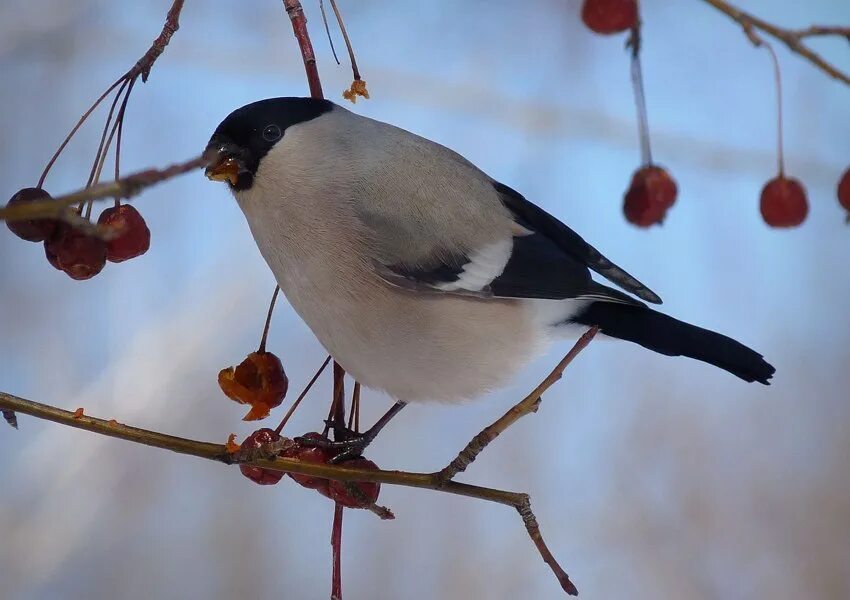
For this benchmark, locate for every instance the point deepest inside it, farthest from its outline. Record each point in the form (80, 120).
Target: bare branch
(299, 26)
(126, 187)
(526, 406)
(790, 37)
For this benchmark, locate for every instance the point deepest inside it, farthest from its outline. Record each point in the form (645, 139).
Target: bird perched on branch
(421, 275)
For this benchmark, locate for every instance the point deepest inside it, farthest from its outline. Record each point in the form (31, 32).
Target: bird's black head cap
(248, 133)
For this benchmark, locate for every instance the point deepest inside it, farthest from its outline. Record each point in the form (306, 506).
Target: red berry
(80, 255)
(340, 493)
(133, 236)
(259, 475)
(609, 16)
(311, 454)
(33, 230)
(844, 190)
(650, 195)
(259, 380)
(783, 202)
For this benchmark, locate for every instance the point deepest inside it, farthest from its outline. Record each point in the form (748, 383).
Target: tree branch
(439, 481)
(126, 187)
(790, 37)
(299, 27)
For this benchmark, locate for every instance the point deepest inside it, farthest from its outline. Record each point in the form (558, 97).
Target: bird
(420, 274)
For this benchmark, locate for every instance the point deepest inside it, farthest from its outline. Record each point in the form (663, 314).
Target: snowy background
(652, 477)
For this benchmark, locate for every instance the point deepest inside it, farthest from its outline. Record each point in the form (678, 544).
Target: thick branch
(790, 37)
(126, 187)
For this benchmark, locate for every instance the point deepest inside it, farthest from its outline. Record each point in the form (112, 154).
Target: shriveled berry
(844, 190)
(32, 230)
(651, 193)
(259, 381)
(609, 16)
(133, 238)
(369, 490)
(783, 202)
(311, 454)
(80, 255)
(254, 441)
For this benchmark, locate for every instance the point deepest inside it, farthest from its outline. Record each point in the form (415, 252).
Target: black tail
(666, 335)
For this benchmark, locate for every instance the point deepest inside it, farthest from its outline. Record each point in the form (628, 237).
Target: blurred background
(652, 477)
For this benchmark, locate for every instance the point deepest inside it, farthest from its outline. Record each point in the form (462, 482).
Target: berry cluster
(82, 254)
(361, 494)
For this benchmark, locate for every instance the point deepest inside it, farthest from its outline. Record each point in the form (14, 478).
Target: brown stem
(104, 133)
(354, 70)
(336, 550)
(777, 75)
(533, 529)
(526, 406)
(793, 39)
(301, 396)
(265, 337)
(299, 27)
(128, 187)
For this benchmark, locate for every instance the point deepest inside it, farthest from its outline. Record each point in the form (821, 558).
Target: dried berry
(311, 454)
(368, 490)
(33, 230)
(609, 16)
(78, 254)
(844, 190)
(650, 195)
(256, 440)
(783, 202)
(133, 238)
(259, 381)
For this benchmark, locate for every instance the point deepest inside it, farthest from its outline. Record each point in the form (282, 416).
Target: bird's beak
(223, 163)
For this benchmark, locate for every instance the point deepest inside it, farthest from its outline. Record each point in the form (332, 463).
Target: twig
(126, 187)
(299, 27)
(336, 551)
(145, 63)
(790, 37)
(526, 406)
(634, 44)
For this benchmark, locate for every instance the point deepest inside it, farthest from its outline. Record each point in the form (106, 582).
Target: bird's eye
(272, 133)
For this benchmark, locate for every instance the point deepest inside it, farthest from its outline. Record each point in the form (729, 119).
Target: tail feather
(672, 337)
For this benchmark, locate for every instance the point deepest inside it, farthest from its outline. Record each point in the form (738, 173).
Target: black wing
(544, 260)
(540, 222)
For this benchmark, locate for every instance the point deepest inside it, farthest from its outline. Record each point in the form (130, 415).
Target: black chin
(244, 182)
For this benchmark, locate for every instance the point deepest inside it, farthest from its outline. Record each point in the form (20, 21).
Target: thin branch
(145, 63)
(125, 188)
(526, 406)
(299, 27)
(790, 37)
(219, 453)
(268, 324)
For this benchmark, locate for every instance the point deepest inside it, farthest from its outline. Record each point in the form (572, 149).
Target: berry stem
(301, 396)
(777, 74)
(74, 131)
(354, 414)
(336, 550)
(354, 70)
(634, 42)
(265, 337)
(328, 29)
(104, 133)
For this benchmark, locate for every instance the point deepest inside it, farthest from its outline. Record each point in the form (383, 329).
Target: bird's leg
(352, 444)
